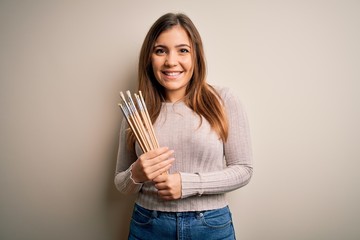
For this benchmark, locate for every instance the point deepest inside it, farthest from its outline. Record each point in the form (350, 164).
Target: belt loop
(154, 214)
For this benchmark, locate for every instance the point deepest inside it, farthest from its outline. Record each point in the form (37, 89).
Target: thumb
(161, 178)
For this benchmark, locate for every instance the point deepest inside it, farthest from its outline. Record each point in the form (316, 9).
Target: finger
(149, 162)
(153, 153)
(161, 157)
(156, 152)
(166, 195)
(160, 171)
(152, 172)
(160, 165)
(160, 178)
(161, 186)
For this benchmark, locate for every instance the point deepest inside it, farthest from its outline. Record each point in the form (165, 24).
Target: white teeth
(172, 73)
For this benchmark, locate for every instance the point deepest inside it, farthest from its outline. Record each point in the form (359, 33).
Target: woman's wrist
(133, 176)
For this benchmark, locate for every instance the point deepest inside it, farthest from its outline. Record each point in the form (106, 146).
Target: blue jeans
(156, 225)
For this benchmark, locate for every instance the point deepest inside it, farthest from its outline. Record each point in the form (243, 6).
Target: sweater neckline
(171, 104)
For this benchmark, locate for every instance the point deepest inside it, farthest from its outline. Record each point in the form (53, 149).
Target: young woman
(204, 136)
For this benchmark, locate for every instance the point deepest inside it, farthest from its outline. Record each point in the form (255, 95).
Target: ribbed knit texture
(209, 168)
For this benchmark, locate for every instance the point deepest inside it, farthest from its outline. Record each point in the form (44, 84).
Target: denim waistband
(196, 214)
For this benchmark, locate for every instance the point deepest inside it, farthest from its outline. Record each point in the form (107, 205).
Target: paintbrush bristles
(126, 114)
(139, 121)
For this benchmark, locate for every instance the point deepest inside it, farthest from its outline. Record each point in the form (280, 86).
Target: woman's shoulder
(225, 93)
(230, 99)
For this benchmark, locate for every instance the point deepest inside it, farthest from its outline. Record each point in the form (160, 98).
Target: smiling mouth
(172, 74)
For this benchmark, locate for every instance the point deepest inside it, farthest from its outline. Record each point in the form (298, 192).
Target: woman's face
(172, 62)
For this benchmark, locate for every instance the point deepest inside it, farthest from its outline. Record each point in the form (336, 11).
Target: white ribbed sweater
(209, 168)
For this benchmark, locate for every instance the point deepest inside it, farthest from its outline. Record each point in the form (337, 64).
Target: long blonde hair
(200, 96)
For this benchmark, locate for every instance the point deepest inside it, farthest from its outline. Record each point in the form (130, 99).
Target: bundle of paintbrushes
(139, 121)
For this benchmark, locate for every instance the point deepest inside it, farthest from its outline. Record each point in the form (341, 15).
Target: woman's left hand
(168, 186)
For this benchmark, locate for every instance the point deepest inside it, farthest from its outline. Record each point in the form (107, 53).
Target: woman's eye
(184, 50)
(159, 51)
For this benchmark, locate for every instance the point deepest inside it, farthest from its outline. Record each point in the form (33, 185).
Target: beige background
(294, 64)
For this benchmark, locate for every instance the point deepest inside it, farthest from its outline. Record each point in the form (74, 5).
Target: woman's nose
(171, 60)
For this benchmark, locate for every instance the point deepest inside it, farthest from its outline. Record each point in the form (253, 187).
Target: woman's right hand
(151, 164)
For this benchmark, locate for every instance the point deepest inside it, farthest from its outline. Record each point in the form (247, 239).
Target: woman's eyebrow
(177, 46)
(183, 45)
(160, 45)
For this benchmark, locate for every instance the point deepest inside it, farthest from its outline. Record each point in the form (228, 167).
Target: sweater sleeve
(238, 156)
(125, 158)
